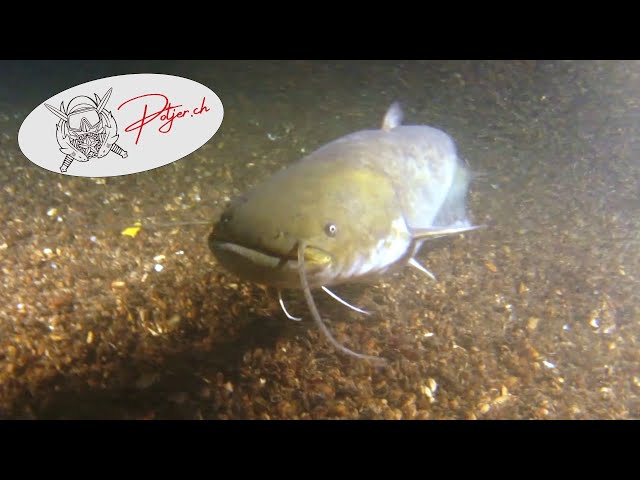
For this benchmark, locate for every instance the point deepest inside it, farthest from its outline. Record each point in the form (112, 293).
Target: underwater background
(536, 316)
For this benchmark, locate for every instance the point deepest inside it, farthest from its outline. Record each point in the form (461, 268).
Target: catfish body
(359, 203)
(356, 208)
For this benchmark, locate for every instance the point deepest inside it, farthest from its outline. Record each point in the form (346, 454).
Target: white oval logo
(120, 125)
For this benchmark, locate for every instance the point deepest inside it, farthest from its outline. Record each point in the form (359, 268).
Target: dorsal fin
(393, 117)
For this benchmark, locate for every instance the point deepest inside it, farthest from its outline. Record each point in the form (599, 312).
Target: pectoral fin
(415, 264)
(344, 302)
(435, 232)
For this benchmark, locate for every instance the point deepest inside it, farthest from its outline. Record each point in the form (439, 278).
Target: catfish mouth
(256, 256)
(271, 258)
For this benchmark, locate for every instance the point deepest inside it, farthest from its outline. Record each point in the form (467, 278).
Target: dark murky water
(537, 316)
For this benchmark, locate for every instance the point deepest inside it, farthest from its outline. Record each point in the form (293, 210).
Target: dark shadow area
(165, 387)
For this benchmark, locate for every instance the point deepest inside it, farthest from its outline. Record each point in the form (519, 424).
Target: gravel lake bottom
(536, 316)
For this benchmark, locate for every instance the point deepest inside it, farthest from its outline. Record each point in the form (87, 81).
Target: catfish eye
(226, 217)
(330, 229)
